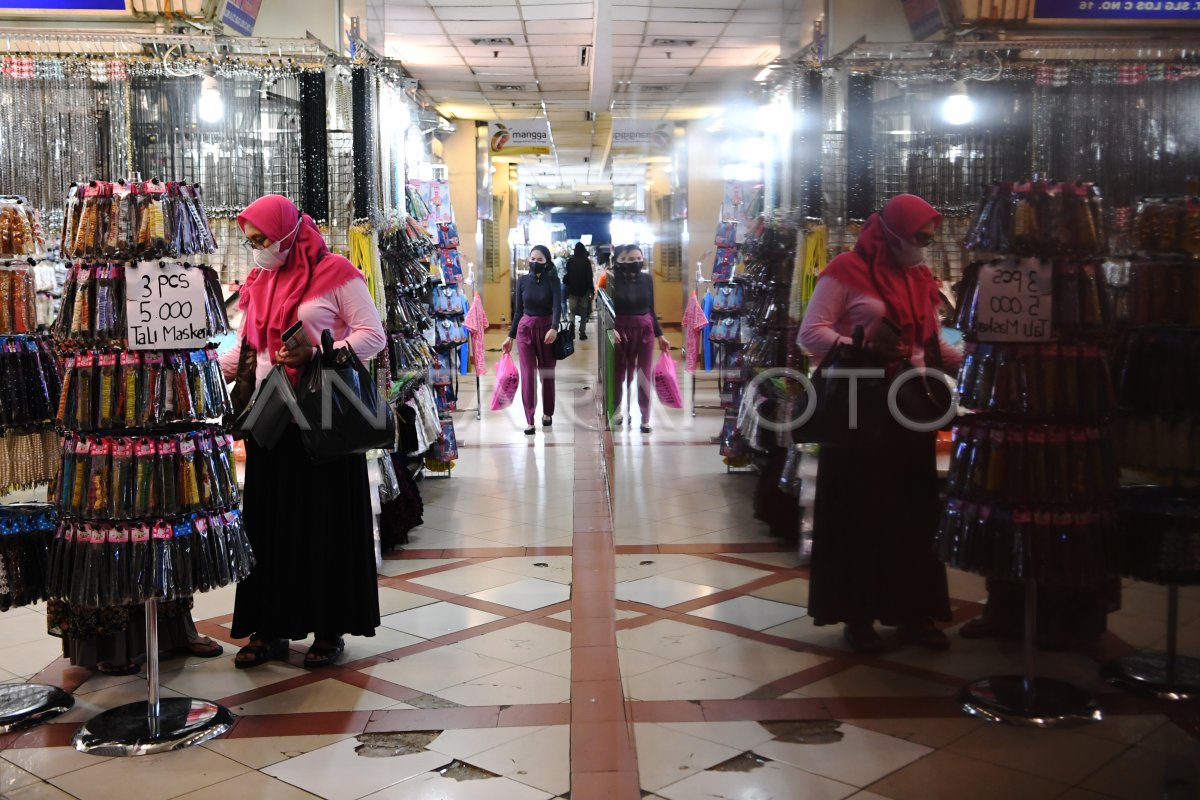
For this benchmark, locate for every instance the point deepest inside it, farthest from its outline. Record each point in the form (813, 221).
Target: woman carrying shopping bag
(534, 328)
(635, 328)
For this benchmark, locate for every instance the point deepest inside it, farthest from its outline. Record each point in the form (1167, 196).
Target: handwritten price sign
(1015, 299)
(165, 307)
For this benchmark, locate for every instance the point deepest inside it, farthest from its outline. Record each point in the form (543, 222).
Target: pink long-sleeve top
(348, 312)
(835, 310)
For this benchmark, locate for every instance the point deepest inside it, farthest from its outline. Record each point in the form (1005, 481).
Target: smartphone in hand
(296, 336)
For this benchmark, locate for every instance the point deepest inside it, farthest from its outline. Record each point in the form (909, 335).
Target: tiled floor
(603, 616)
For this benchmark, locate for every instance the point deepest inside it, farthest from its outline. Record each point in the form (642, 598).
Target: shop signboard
(1146, 11)
(64, 7)
(638, 137)
(240, 15)
(519, 137)
(1014, 301)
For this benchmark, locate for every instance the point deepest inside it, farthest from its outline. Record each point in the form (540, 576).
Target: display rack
(147, 493)
(1158, 424)
(27, 451)
(1032, 480)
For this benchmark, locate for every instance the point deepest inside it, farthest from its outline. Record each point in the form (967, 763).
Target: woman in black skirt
(309, 523)
(877, 507)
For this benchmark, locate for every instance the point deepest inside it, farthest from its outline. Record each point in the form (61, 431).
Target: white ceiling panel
(496, 28)
(772, 15)
(630, 12)
(559, 26)
(676, 30)
(707, 3)
(414, 27)
(575, 39)
(627, 40)
(765, 29)
(394, 12)
(628, 27)
(669, 14)
(478, 12)
(571, 11)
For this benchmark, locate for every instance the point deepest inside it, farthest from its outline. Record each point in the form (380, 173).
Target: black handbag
(269, 410)
(922, 398)
(564, 345)
(343, 412)
(831, 393)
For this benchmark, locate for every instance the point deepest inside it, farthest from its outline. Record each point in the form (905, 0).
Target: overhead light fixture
(587, 202)
(586, 194)
(552, 186)
(958, 108)
(210, 106)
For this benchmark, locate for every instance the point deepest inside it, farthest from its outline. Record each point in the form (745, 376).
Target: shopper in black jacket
(578, 283)
(534, 329)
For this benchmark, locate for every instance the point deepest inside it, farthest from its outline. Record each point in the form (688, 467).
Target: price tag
(1014, 303)
(165, 307)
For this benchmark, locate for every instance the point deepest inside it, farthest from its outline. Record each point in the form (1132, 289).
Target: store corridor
(600, 617)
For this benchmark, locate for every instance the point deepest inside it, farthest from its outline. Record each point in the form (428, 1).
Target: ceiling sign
(240, 15)
(1076, 11)
(637, 137)
(64, 7)
(521, 137)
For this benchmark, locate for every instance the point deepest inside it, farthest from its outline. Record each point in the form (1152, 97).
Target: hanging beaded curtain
(61, 119)
(808, 89)
(860, 160)
(314, 146)
(364, 100)
(1130, 127)
(341, 163)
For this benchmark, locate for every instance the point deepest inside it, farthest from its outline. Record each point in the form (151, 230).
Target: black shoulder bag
(341, 405)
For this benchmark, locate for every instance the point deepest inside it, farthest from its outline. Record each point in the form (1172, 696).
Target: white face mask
(273, 257)
(905, 252)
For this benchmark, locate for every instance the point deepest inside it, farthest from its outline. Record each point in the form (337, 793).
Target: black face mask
(630, 267)
(538, 267)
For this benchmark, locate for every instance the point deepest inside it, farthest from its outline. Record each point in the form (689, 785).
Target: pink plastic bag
(507, 382)
(666, 382)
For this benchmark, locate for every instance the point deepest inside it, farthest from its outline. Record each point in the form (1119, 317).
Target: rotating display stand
(1032, 478)
(26, 414)
(1158, 417)
(148, 494)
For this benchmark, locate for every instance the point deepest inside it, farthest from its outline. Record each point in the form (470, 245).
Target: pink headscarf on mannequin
(271, 298)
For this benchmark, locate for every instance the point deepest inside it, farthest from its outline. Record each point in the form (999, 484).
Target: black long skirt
(310, 526)
(874, 521)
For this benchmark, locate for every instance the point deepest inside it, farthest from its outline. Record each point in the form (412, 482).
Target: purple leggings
(634, 355)
(537, 358)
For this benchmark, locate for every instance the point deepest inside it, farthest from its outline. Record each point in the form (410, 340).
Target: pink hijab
(271, 298)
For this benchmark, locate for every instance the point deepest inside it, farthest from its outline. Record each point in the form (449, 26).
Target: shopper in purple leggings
(635, 328)
(535, 327)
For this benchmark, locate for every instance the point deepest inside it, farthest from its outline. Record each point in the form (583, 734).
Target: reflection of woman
(535, 327)
(309, 522)
(877, 506)
(635, 328)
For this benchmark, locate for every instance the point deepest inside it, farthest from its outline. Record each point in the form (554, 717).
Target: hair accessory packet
(26, 530)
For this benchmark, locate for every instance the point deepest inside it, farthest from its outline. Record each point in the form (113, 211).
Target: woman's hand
(889, 350)
(664, 343)
(551, 335)
(298, 356)
(506, 345)
(616, 337)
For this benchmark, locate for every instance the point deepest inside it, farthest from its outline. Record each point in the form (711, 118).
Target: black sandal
(530, 431)
(547, 422)
(323, 656)
(210, 649)
(118, 670)
(261, 653)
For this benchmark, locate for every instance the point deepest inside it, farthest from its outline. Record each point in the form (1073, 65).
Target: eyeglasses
(922, 239)
(251, 244)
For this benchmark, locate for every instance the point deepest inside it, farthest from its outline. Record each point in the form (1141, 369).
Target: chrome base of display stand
(1050, 704)
(25, 704)
(1153, 674)
(130, 730)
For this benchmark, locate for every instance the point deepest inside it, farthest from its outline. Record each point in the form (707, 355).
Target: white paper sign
(1014, 303)
(164, 303)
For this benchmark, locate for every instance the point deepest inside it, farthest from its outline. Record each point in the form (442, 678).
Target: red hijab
(271, 298)
(910, 293)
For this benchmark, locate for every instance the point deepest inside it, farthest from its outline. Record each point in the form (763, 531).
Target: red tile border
(437, 719)
(302, 724)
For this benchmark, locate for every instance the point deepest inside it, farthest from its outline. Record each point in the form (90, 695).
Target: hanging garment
(708, 349)
(694, 323)
(476, 322)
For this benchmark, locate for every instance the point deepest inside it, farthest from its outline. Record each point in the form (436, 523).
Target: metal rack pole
(1167, 676)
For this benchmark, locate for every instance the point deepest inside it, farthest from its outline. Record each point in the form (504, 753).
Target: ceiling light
(210, 106)
(958, 108)
(587, 202)
(552, 186)
(586, 194)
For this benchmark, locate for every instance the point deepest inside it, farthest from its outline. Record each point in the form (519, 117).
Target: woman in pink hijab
(309, 523)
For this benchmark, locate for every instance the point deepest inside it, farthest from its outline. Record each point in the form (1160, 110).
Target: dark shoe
(530, 431)
(583, 337)
(978, 628)
(324, 655)
(260, 651)
(116, 670)
(863, 638)
(201, 648)
(924, 633)
(645, 429)
(547, 422)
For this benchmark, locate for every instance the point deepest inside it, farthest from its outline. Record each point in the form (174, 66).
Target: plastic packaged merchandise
(1162, 534)
(1040, 380)
(115, 478)
(26, 530)
(29, 380)
(1081, 301)
(1040, 218)
(99, 565)
(135, 220)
